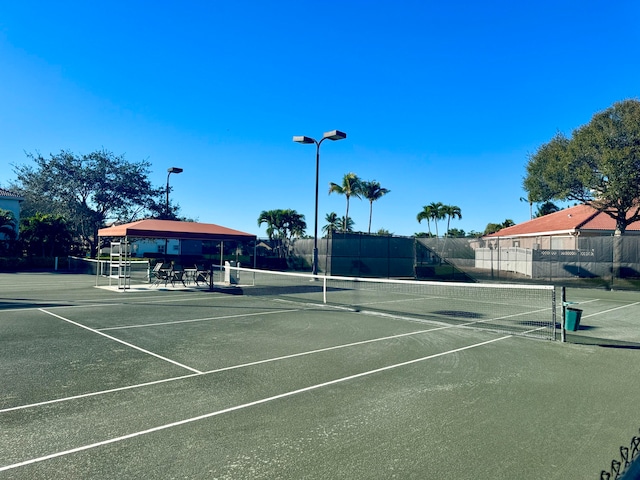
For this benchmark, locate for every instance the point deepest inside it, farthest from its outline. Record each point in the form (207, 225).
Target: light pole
(332, 135)
(170, 170)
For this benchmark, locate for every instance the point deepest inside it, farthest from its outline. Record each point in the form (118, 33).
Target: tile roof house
(574, 242)
(560, 230)
(11, 201)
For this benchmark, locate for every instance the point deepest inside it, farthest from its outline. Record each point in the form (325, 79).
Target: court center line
(242, 406)
(120, 341)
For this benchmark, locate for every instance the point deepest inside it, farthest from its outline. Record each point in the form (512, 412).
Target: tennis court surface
(266, 382)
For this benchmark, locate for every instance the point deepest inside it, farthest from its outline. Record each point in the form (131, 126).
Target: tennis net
(507, 308)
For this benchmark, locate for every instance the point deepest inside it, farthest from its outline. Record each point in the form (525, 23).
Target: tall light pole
(332, 135)
(170, 170)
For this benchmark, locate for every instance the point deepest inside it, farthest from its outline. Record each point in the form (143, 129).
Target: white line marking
(120, 341)
(240, 407)
(233, 367)
(610, 310)
(240, 315)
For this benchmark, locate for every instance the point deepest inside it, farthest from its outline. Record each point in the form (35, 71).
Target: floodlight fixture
(332, 135)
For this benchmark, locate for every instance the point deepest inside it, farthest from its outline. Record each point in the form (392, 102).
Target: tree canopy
(599, 165)
(283, 226)
(88, 190)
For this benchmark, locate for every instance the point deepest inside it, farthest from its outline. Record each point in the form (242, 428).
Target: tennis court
(244, 383)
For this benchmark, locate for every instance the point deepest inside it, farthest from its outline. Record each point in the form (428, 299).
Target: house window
(516, 243)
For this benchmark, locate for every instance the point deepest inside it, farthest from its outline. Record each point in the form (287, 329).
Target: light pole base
(314, 269)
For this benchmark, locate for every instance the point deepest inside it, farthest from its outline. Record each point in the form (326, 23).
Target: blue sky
(441, 101)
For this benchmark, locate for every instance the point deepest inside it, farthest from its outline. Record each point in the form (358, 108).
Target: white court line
(240, 407)
(232, 367)
(120, 341)
(240, 315)
(610, 310)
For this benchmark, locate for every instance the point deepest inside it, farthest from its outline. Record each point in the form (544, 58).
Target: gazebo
(189, 233)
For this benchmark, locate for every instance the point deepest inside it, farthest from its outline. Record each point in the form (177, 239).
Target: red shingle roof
(574, 219)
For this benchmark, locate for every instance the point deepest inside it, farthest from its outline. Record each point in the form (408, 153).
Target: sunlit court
(309, 378)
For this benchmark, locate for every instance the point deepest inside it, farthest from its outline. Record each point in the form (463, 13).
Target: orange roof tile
(569, 220)
(174, 229)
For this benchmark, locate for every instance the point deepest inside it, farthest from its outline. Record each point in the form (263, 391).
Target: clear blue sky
(441, 101)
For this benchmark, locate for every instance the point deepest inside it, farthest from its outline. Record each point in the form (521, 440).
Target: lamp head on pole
(303, 139)
(175, 170)
(335, 135)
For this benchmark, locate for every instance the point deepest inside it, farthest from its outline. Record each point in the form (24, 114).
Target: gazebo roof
(174, 229)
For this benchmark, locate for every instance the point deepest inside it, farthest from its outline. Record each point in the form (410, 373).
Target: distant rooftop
(7, 194)
(570, 220)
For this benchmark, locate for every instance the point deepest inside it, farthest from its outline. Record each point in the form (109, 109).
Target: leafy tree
(88, 190)
(383, 231)
(7, 225)
(546, 208)
(7, 232)
(422, 234)
(332, 225)
(351, 186)
(456, 233)
(46, 235)
(372, 191)
(451, 211)
(496, 227)
(599, 165)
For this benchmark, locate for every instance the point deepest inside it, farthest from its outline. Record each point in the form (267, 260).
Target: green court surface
(187, 383)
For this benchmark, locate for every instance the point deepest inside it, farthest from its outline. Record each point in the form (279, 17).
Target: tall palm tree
(529, 200)
(437, 213)
(351, 186)
(332, 223)
(425, 214)
(451, 211)
(372, 191)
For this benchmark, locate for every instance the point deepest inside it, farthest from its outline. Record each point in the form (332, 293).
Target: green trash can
(572, 319)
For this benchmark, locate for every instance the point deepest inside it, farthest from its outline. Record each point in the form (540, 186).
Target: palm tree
(272, 219)
(425, 214)
(346, 226)
(332, 223)
(283, 225)
(451, 211)
(351, 186)
(529, 200)
(372, 191)
(292, 225)
(437, 213)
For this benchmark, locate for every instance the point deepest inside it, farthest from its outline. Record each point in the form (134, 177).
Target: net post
(554, 311)
(324, 289)
(564, 307)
